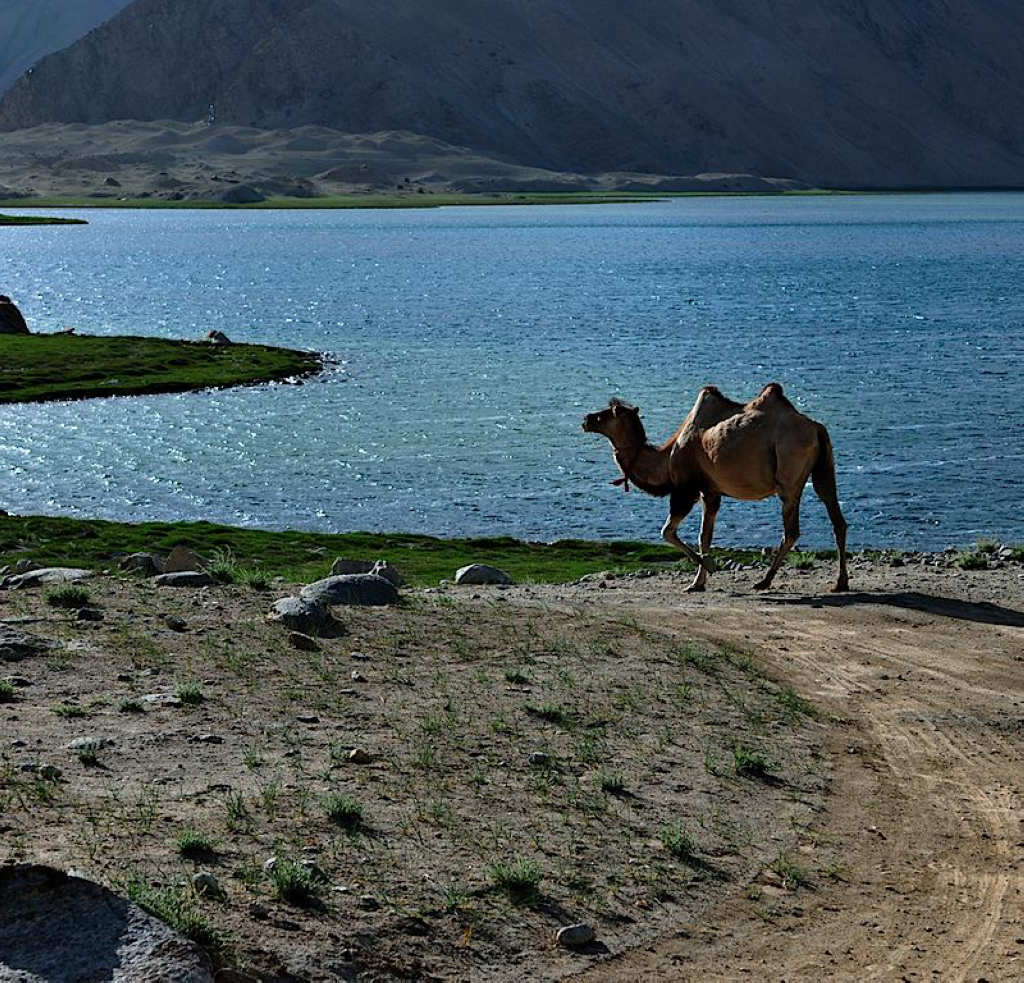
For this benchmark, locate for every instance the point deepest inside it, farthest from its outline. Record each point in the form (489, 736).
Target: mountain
(30, 29)
(854, 93)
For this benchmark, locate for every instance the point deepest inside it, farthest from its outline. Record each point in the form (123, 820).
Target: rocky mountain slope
(838, 93)
(30, 29)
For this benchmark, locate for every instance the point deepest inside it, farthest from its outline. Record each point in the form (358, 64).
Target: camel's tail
(823, 474)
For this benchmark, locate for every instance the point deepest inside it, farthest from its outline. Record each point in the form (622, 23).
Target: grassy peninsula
(36, 368)
(39, 220)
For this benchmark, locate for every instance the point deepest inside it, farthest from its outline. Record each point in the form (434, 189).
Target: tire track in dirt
(927, 799)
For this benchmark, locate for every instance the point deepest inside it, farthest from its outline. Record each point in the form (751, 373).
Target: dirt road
(919, 856)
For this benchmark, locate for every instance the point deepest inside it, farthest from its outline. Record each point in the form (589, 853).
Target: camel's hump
(772, 393)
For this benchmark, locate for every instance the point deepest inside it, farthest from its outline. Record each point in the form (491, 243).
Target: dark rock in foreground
(56, 927)
(16, 645)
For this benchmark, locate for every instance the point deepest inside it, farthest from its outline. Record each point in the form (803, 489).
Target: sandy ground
(900, 803)
(923, 672)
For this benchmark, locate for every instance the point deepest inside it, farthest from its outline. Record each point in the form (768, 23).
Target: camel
(723, 448)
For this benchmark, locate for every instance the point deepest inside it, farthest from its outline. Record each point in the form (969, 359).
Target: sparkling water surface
(471, 341)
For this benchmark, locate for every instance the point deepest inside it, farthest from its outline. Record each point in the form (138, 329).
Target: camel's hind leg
(823, 478)
(680, 505)
(790, 534)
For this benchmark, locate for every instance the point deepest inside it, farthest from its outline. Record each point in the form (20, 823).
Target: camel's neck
(645, 465)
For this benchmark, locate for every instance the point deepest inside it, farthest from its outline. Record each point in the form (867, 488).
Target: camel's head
(619, 422)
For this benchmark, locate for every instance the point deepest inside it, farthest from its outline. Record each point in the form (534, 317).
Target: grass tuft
(68, 596)
(344, 811)
(178, 909)
(520, 877)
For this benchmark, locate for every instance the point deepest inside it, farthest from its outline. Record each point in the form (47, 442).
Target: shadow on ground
(947, 607)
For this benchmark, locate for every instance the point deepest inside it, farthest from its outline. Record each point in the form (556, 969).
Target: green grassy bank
(35, 368)
(39, 220)
(306, 556)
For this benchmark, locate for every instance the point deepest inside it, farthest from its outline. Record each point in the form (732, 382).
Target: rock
(175, 623)
(479, 574)
(310, 617)
(357, 676)
(308, 718)
(89, 614)
(57, 927)
(112, 182)
(359, 756)
(89, 744)
(186, 578)
(384, 569)
(16, 645)
(47, 575)
(18, 682)
(304, 643)
(11, 320)
(369, 903)
(49, 773)
(208, 739)
(572, 936)
(344, 566)
(206, 885)
(148, 564)
(356, 589)
(359, 656)
(161, 700)
(182, 559)
(539, 758)
(217, 338)
(23, 566)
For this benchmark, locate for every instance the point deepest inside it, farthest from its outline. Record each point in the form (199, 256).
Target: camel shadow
(947, 607)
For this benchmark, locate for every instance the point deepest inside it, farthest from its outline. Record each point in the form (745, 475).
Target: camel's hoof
(695, 589)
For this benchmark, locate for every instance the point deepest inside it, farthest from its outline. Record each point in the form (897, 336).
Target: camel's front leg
(680, 505)
(712, 503)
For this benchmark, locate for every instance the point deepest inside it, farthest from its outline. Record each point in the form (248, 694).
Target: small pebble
(357, 676)
(175, 623)
(308, 718)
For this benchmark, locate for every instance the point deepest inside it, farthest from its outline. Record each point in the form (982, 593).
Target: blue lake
(472, 340)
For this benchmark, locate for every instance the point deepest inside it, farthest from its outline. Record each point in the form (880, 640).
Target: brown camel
(753, 451)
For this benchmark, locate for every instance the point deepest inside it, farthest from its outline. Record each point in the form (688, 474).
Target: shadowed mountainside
(866, 93)
(30, 29)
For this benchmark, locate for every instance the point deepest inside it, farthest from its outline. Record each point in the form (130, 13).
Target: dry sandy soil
(790, 785)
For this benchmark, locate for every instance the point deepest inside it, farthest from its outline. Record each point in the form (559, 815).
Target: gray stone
(24, 565)
(175, 623)
(57, 927)
(539, 758)
(16, 645)
(185, 578)
(369, 903)
(572, 936)
(480, 574)
(89, 744)
(305, 615)
(308, 718)
(216, 337)
(206, 885)
(47, 575)
(89, 614)
(355, 589)
(182, 560)
(359, 756)
(304, 643)
(161, 700)
(357, 676)
(148, 564)
(342, 565)
(384, 569)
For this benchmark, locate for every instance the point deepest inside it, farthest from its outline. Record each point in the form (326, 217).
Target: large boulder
(148, 564)
(11, 321)
(379, 567)
(358, 589)
(57, 927)
(181, 559)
